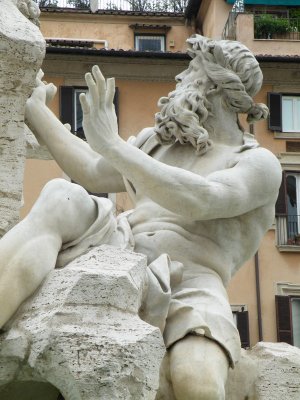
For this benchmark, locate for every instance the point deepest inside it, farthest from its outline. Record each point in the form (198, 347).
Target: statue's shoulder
(146, 140)
(143, 136)
(263, 163)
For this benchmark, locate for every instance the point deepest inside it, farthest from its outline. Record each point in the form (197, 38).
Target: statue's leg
(198, 369)
(28, 252)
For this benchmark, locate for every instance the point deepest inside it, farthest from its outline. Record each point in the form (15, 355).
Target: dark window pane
(291, 194)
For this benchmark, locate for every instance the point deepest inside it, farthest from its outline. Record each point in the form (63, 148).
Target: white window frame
(160, 37)
(296, 117)
(75, 105)
(291, 290)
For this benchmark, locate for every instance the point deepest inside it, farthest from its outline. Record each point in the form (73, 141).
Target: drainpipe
(258, 299)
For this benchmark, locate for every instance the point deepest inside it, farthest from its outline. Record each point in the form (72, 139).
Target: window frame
(82, 89)
(290, 163)
(162, 36)
(296, 119)
(240, 316)
(275, 120)
(284, 317)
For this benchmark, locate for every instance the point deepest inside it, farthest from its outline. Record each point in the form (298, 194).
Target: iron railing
(169, 6)
(288, 230)
(266, 26)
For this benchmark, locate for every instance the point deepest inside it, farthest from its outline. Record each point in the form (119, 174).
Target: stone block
(81, 332)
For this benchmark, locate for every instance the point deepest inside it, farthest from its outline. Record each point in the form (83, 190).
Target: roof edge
(117, 53)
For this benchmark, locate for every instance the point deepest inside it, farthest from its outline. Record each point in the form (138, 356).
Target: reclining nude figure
(204, 194)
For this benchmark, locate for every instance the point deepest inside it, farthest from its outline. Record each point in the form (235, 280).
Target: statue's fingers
(110, 92)
(50, 91)
(93, 91)
(84, 103)
(40, 74)
(100, 81)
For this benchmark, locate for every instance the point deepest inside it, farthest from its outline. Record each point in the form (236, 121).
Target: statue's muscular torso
(220, 244)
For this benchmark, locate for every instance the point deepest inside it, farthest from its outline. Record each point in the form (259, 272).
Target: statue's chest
(219, 158)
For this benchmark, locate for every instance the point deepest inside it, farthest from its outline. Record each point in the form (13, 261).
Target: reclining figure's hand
(99, 117)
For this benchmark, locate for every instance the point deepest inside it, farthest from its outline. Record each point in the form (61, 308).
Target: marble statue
(204, 195)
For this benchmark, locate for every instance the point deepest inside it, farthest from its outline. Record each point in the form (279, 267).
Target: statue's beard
(182, 118)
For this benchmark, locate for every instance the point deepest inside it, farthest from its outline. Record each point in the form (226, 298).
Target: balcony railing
(288, 230)
(169, 6)
(268, 26)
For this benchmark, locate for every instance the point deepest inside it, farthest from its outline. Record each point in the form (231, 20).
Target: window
(288, 319)
(284, 112)
(241, 320)
(150, 42)
(288, 210)
(290, 114)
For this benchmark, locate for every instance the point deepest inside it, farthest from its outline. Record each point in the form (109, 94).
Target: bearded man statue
(204, 195)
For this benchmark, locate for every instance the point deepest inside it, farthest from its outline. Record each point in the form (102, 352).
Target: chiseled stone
(81, 331)
(22, 49)
(269, 371)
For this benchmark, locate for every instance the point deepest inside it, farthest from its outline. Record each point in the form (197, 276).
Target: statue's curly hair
(234, 70)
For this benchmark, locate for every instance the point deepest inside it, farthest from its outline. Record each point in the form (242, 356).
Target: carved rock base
(80, 334)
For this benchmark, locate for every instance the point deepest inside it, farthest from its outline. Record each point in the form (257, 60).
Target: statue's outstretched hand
(43, 92)
(99, 117)
(41, 96)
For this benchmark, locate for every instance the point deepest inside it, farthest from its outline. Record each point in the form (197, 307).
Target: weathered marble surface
(81, 332)
(22, 50)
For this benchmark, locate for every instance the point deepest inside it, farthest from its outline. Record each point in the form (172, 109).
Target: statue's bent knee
(65, 208)
(61, 193)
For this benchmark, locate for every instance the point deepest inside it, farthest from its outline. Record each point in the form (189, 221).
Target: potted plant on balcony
(268, 26)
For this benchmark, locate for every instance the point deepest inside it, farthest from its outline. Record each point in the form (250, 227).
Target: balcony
(246, 29)
(164, 6)
(288, 232)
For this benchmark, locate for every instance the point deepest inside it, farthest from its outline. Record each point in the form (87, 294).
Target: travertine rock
(22, 50)
(270, 371)
(81, 332)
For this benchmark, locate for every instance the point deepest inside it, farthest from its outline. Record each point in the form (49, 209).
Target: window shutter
(67, 105)
(283, 318)
(242, 319)
(281, 206)
(275, 117)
